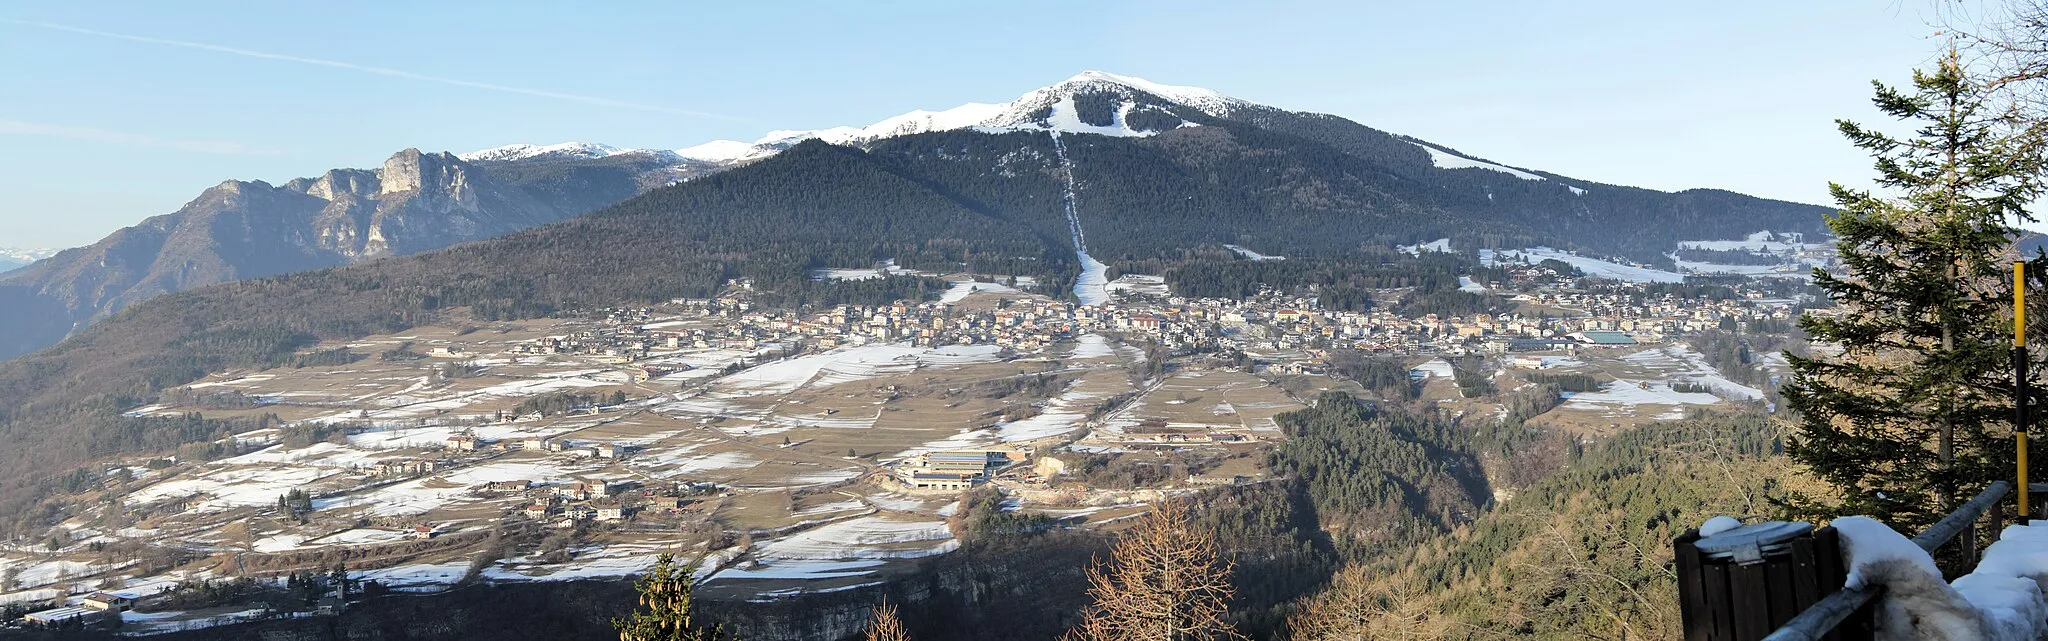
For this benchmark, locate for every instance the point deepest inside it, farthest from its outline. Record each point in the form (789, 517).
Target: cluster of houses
(470, 442)
(1273, 323)
(615, 500)
(1268, 321)
(1024, 325)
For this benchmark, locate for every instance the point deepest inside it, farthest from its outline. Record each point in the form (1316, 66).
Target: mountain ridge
(419, 201)
(1017, 114)
(414, 201)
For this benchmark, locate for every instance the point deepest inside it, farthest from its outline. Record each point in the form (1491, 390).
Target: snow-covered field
(1760, 271)
(884, 268)
(1624, 396)
(1593, 267)
(1440, 245)
(962, 288)
(589, 562)
(1659, 368)
(431, 576)
(1435, 368)
(1793, 256)
(1138, 284)
(32, 574)
(851, 364)
(1689, 366)
(1252, 255)
(356, 536)
(316, 455)
(853, 547)
(1092, 346)
(1763, 241)
(224, 488)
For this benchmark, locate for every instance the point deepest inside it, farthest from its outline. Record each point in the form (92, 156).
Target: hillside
(1583, 552)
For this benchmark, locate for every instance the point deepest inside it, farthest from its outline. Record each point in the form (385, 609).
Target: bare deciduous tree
(884, 626)
(1358, 607)
(1165, 581)
(2007, 43)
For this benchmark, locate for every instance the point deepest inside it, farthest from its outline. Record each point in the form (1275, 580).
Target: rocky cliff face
(249, 229)
(1029, 593)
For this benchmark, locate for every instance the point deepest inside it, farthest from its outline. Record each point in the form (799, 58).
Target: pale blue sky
(99, 130)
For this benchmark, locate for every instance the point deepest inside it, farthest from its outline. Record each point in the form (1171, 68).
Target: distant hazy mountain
(248, 229)
(14, 257)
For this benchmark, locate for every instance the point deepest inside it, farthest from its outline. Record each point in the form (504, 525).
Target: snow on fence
(1746, 590)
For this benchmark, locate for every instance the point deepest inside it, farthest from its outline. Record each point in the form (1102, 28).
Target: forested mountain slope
(1582, 552)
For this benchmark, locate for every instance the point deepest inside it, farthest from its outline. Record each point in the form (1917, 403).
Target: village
(1269, 322)
(785, 450)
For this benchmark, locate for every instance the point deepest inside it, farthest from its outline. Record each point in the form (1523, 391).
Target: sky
(111, 112)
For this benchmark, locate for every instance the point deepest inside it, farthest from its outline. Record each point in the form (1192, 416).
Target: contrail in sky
(382, 71)
(93, 134)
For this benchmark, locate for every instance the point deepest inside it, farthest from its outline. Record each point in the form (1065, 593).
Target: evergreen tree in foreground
(1914, 415)
(665, 595)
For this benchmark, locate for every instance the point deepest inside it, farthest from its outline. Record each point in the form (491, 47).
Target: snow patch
(1138, 284)
(1718, 525)
(1435, 368)
(1440, 245)
(961, 289)
(1447, 160)
(525, 151)
(1252, 255)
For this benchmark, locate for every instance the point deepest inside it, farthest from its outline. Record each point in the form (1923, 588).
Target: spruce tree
(665, 593)
(1914, 414)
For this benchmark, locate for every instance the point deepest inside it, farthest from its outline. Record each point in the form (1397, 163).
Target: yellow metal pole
(2019, 380)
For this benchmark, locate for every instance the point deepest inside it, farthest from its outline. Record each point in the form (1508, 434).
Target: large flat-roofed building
(67, 615)
(965, 462)
(953, 469)
(938, 481)
(1605, 338)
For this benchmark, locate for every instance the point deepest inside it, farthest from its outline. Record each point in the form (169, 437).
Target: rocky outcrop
(415, 202)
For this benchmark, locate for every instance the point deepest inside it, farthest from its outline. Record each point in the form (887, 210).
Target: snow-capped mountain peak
(1091, 102)
(524, 151)
(1206, 100)
(1055, 107)
(12, 257)
(718, 151)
